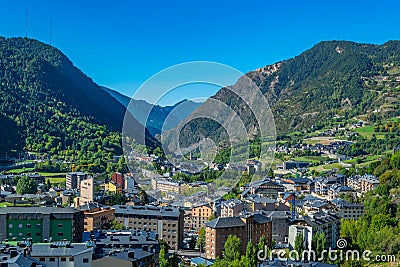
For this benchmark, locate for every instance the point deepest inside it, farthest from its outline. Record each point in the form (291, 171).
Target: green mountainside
(49, 106)
(333, 78)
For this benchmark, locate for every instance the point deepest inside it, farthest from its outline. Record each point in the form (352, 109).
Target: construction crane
(81, 165)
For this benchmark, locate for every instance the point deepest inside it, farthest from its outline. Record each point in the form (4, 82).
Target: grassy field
(53, 174)
(368, 131)
(56, 180)
(312, 159)
(325, 167)
(19, 171)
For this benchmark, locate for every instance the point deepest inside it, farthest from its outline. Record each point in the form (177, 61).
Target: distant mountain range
(332, 78)
(157, 114)
(47, 104)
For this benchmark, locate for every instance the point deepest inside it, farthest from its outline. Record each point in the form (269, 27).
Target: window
(85, 260)
(52, 259)
(60, 225)
(60, 234)
(28, 225)
(19, 234)
(38, 225)
(10, 234)
(38, 234)
(20, 225)
(29, 234)
(10, 225)
(71, 259)
(42, 259)
(63, 259)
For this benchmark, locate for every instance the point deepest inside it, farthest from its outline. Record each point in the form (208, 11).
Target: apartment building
(200, 215)
(118, 178)
(97, 216)
(368, 183)
(309, 225)
(248, 227)
(232, 208)
(113, 187)
(41, 223)
(349, 210)
(86, 190)
(166, 185)
(73, 179)
(63, 254)
(167, 222)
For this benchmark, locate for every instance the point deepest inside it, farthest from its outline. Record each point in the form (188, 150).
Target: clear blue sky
(120, 44)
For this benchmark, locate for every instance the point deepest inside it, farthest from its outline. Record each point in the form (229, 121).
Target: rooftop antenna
(26, 23)
(51, 28)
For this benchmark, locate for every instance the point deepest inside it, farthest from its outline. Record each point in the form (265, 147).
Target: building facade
(167, 222)
(200, 215)
(166, 185)
(368, 183)
(246, 228)
(86, 190)
(327, 222)
(231, 208)
(96, 216)
(348, 210)
(73, 179)
(41, 223)
(113, 187)
(63, 254)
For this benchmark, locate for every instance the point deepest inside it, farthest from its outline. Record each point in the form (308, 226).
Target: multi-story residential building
(255, 202)
(128, 239)
(265, 188)
(167, 222)
(112, 187)
(280, 225)
(248, 228)
(187, 218)
(63, 254)
(130, 184)
(353, 182)
(322, 184)
(41, 223)
(232, 208)
(73, 179)
(348, 210)
(86, 190)
(97, 216)
(118, 178)
(309, 225)
(166, 185)
(201, 214)
(368, 183)
(310, 207)
(288, 165)
(336, 190)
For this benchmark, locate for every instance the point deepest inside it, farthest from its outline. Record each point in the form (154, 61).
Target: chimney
(131, 254)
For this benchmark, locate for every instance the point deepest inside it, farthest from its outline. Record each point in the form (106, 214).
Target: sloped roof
(223, 222)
